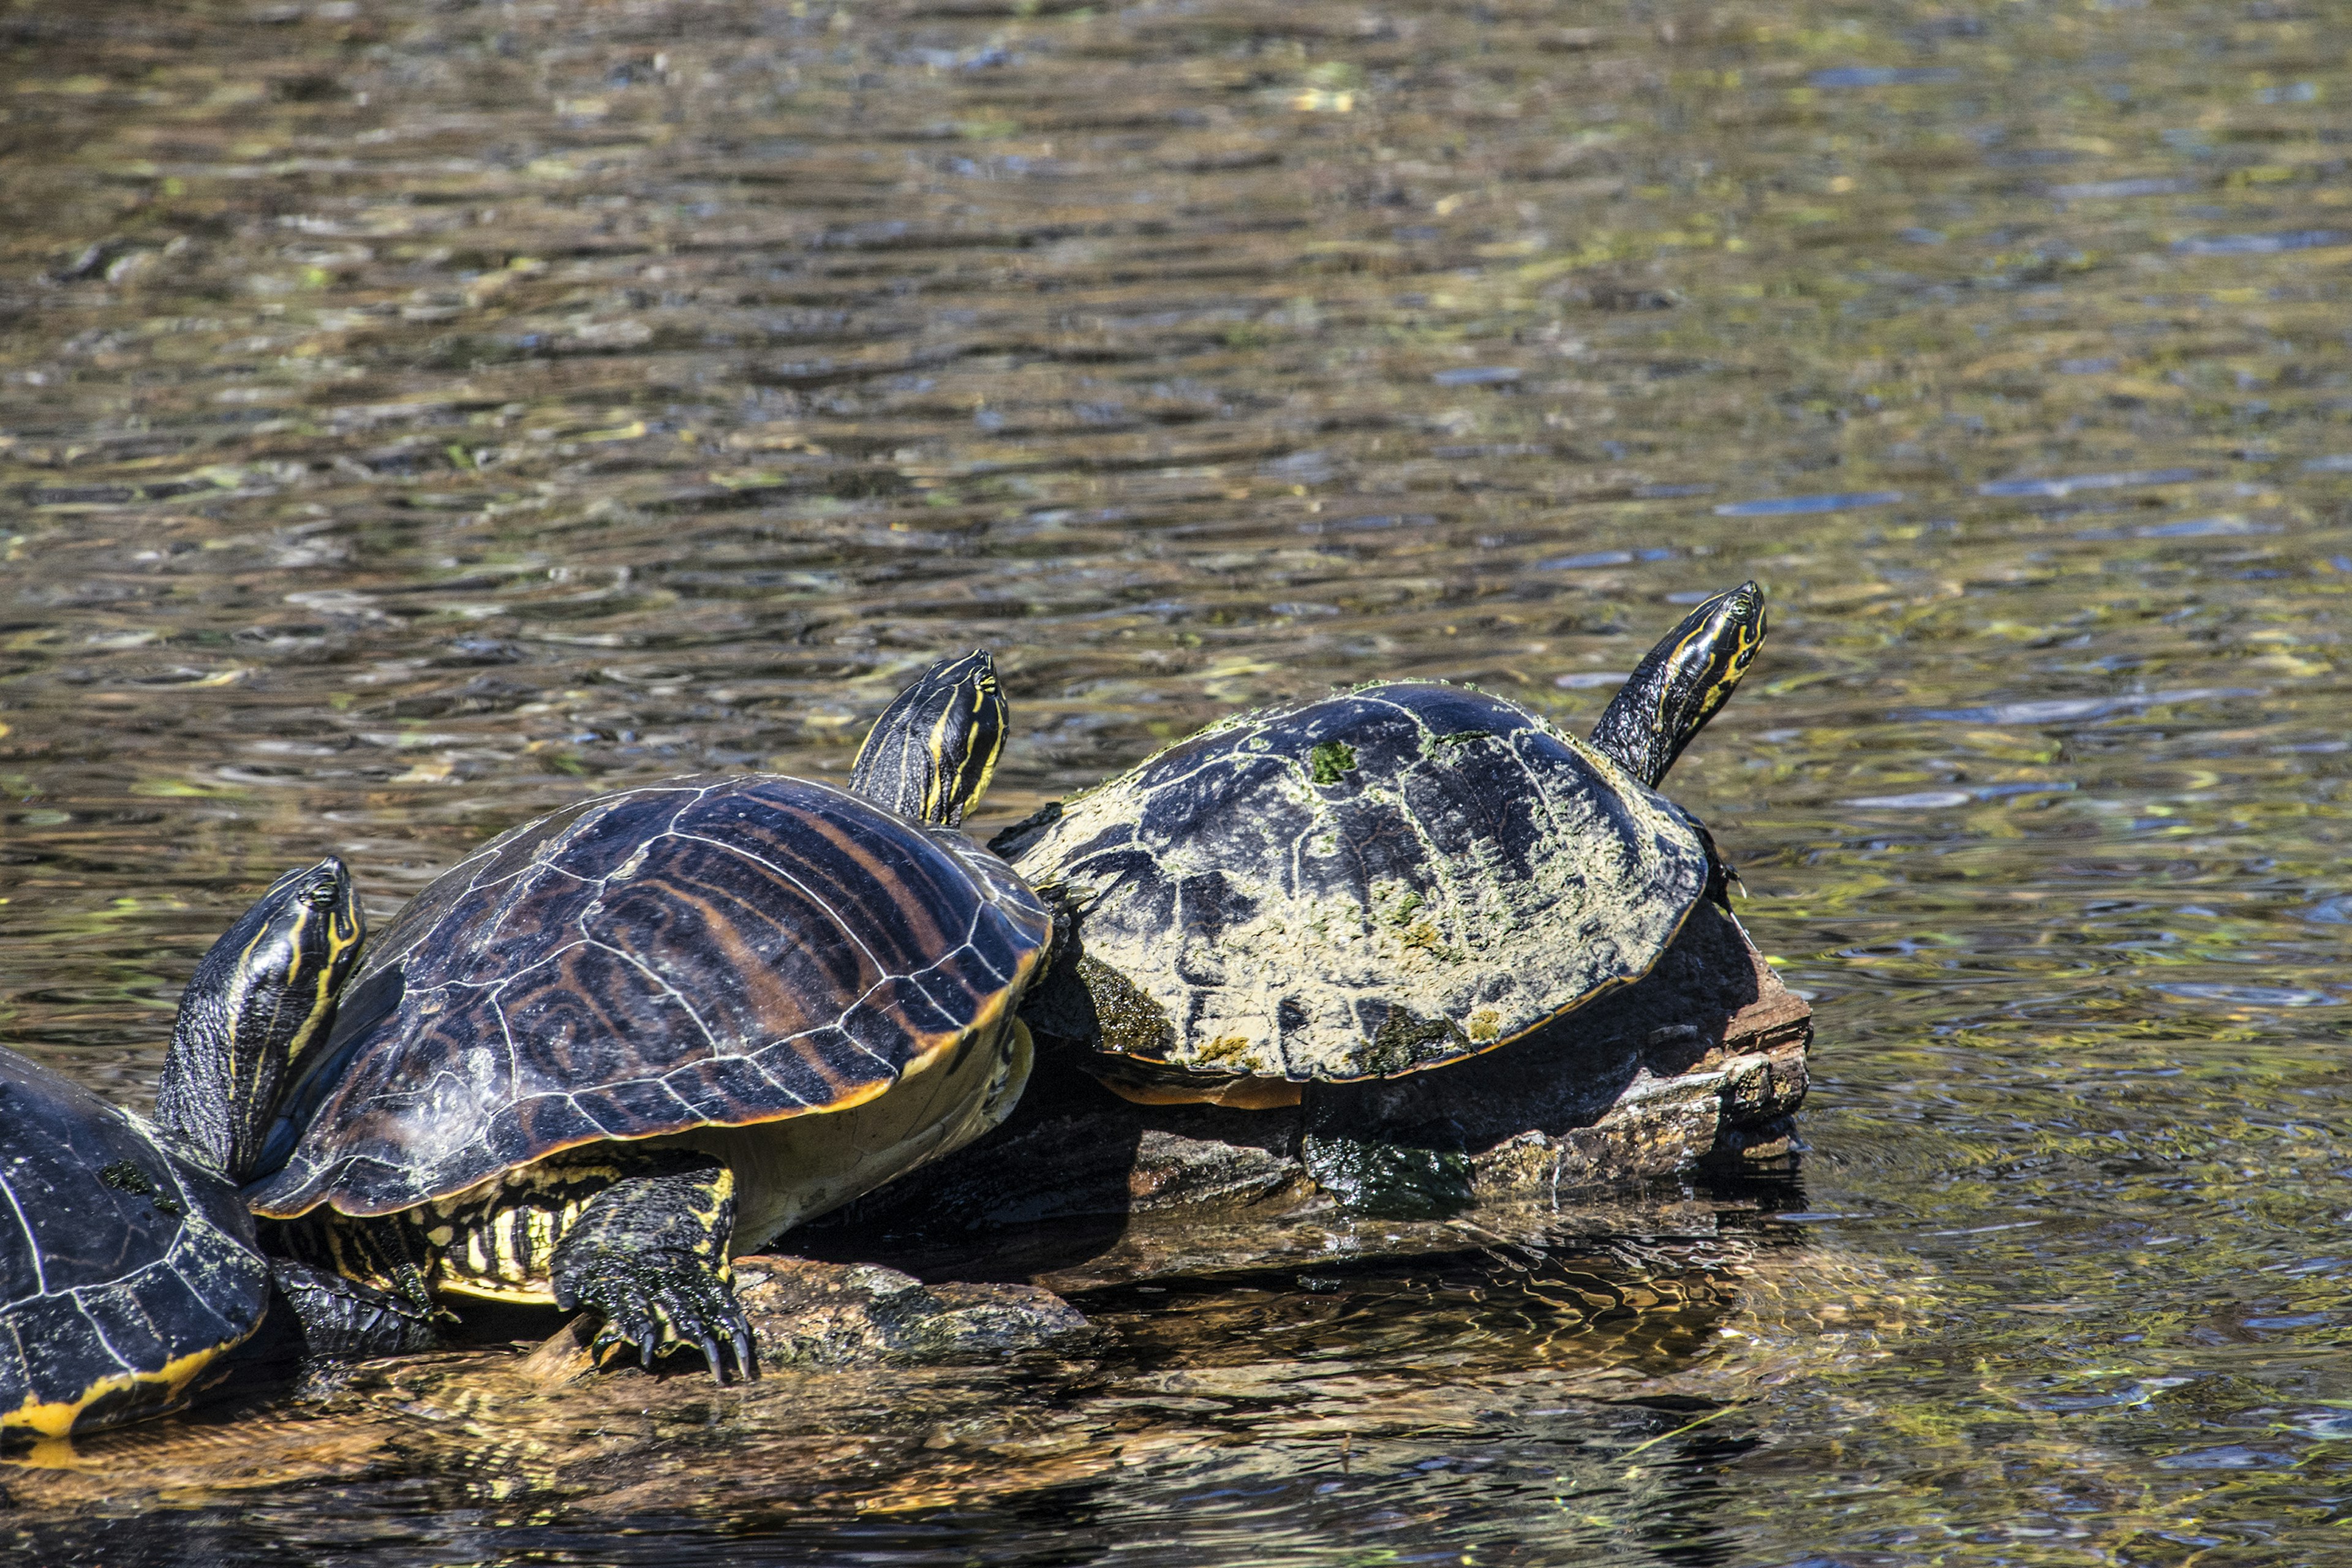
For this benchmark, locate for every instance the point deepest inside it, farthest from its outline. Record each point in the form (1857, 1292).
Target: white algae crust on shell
(1378, 882)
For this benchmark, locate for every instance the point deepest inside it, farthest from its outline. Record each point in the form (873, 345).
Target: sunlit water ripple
(414, 416)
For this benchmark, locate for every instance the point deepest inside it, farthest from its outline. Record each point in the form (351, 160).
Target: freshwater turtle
(644, 1034)
(127, 1263)
(1388, 879)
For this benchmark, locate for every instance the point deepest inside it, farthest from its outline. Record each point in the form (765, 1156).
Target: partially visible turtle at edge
(129, 1267)
(1389, 879)
(626, 1042)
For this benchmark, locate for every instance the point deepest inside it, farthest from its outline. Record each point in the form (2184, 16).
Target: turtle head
(1675, 690)
(928, 756)
(262, 996)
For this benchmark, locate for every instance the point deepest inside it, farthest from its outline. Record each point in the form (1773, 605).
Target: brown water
(414, 414)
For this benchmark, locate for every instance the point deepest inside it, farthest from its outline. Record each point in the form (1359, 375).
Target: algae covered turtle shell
(125, 1270)
(705, 953)
(1384, 881)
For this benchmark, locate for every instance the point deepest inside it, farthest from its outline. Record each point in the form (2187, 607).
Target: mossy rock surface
(809, 1314)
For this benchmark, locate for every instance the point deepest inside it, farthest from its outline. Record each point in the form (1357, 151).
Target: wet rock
(813, 1315)
(1383, 1180)
(1613, 1332)
(1699, 1066)
(821, 1314)
(1679, 1071)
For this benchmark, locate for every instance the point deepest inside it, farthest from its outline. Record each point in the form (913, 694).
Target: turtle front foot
(659, 1302)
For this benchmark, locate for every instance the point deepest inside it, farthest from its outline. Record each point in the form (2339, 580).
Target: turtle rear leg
(358, 1288)
(649, 1253)
(345, 1318)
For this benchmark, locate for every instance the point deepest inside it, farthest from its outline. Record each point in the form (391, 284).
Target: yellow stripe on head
(931, 753)
(263, 995)
(983, 740)
(321, 928)
(1682, 682)
(1711, 655)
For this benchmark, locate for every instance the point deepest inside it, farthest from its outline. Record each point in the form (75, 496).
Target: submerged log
(1700, 1065)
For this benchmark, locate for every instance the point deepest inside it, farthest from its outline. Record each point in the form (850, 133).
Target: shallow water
(413, 415)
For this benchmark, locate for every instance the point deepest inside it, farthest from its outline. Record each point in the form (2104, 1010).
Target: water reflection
(417, 417)
(1395, 1402)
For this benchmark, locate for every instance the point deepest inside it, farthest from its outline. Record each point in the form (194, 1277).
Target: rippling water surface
(416, 415)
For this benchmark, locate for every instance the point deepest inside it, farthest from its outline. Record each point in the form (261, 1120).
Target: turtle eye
(320, 895)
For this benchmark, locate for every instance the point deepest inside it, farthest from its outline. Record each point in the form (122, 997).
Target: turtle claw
(659, 1303)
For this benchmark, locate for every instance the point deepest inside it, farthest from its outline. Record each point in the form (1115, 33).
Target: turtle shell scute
(1384, 881)
(123, 1268)
(709, 950)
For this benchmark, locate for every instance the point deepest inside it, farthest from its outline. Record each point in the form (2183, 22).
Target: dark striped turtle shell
(1384, 881)
(125, 1270)
(704, 952)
